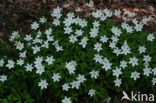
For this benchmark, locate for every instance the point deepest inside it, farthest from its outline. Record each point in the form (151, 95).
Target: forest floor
(19, 14)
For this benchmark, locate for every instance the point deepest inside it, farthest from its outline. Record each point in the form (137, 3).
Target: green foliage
(22, 86)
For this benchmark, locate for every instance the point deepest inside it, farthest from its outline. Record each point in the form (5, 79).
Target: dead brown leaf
(128, 13)
(151, 9)
(136, 9)
(65, 5)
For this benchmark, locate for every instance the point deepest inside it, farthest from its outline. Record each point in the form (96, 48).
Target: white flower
(81, 78)
(45, 44)
(59, 48)
(117, 82)
(20, 62)
(36, 49)
(145, 20)
(11, 64)
(97, 58)
(75, 84)
(78, 9)
(56, 22)
(3, 78)
(73, 63)
(147, 58)
(28, 37)
(36, 40)
(125, 48)
(98, 47)
(1, 62)
(40, 69)
(142, 49)
(38, 60)
(29, 43)
(103, 39)
(11, 38)
(15, 35)
(112, 45)
(19, 45)
(135, 21)
(29, 67)
(96, 24)
(84, 42)
(43, 20)
(129, 29)
(149, 18)
(65, 86)
(94, 32)
(114, 38)
(105, 10)
(73, 39)
(147, 71)
(35, 26)
(70, 15)
(124, 25)
(154, 81)
(107, 65)
(117, 51)
(135, 75)
(117, 72)
(94, 74)
(125, 19)
(56, 77)
(83, 23)
(146, 64)
(105, 61)
(91, 92)
(48, 31)
(71, 68)
(68, 30)
(50, 60)
(56, 13)
(68, 21)
(123, 64)
(116, 31)
(154, 71)
(38, 34)
(50, 38)
(117, 12)
(56, 43)
(77, 20)
(90, 4)
(150, 37)
(23, 54)
(108, 14)
(66, 100)
(79, 32)
(103, 17)
(138, 27)
(133, 61)
(37, 64)
(43, 84)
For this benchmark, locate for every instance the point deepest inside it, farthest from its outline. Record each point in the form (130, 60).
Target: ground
(18, 14)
